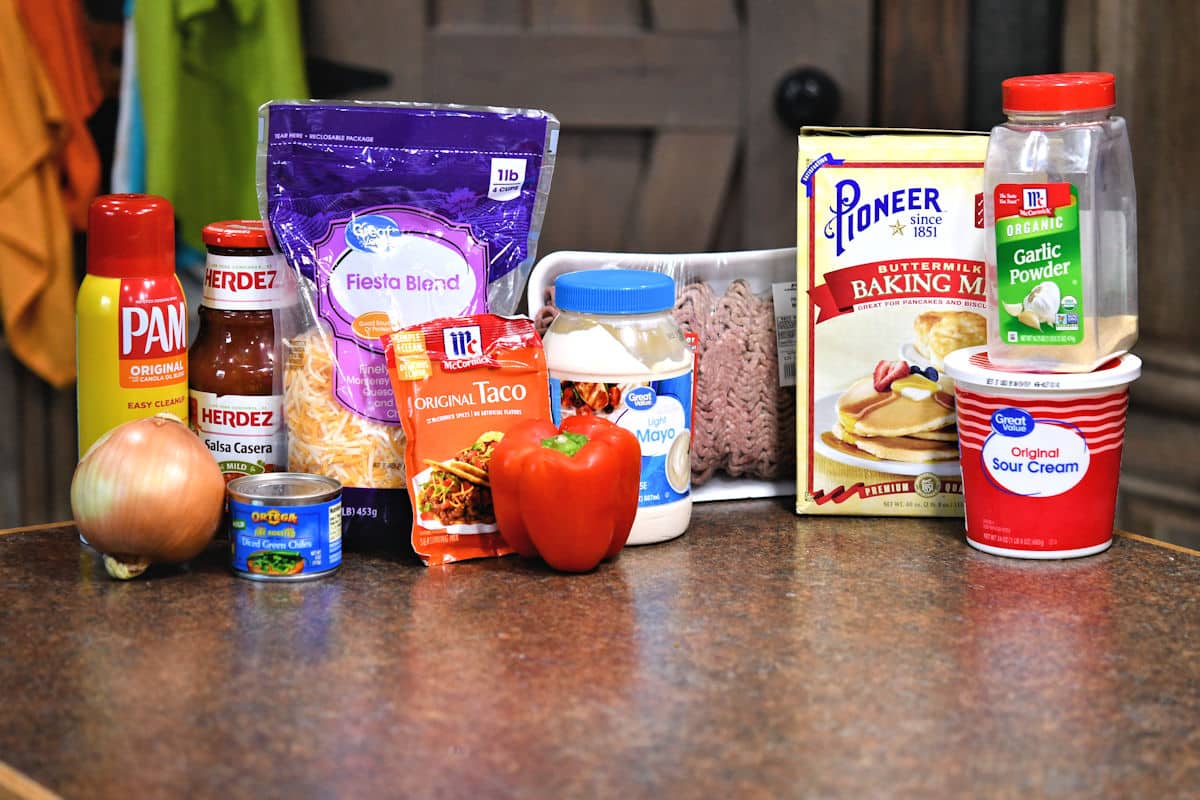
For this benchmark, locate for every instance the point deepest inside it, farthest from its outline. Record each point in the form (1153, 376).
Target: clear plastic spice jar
(616, 352)
(1061, 225)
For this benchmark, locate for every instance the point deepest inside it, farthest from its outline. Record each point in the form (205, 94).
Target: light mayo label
(657, 412)
(1034, 457)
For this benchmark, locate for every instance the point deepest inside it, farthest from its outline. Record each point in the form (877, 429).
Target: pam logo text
(153, 331)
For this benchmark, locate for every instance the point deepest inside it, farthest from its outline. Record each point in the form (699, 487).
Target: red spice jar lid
(1065, 91)
(236, 234)
(131, 236)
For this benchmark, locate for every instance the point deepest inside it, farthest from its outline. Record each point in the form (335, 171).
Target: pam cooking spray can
(131, 317)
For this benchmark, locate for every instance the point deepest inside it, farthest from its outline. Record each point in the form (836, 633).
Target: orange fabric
(37, 280)
(57, 30)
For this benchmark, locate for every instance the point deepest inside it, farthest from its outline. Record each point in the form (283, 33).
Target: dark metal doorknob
(806, 96)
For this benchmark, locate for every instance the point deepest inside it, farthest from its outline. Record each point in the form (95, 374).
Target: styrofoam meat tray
(759, 268)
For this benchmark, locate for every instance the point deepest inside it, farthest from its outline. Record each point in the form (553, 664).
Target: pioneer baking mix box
(890, 256)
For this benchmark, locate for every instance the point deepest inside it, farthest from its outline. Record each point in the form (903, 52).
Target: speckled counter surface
(761, 655)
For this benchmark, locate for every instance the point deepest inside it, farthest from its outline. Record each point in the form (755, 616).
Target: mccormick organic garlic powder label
(890, 256)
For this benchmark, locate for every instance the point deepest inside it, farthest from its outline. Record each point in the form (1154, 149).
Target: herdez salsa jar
(235, 397)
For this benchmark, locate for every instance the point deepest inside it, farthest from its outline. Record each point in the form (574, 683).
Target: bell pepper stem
(566, 443)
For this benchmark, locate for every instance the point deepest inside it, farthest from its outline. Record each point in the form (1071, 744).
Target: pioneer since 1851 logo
(851, 217)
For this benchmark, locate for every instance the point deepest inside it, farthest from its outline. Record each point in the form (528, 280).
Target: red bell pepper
(568, 495)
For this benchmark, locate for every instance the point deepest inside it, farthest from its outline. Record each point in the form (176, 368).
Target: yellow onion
(147, 491)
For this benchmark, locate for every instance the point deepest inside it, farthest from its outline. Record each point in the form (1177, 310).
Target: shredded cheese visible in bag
(326, 438)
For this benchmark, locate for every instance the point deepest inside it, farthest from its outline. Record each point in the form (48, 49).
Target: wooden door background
(1152, 48)
(669, 137)
(671, 142)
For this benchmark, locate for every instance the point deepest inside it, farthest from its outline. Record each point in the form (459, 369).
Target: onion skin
(148, 491)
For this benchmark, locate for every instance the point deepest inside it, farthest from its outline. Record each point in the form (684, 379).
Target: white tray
(759, 268)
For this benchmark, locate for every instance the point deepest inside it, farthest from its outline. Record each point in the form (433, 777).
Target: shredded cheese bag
(389, 215)
(461, 383)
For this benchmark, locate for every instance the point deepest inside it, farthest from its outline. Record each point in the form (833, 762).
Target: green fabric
(205, 66)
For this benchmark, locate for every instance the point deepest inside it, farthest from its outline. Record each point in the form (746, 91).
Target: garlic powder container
(1061, 226)
(615, 352)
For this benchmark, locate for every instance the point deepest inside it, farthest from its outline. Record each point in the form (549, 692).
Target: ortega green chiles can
(285, 526)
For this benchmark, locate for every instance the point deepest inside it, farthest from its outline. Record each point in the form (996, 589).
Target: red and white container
(1041, 454)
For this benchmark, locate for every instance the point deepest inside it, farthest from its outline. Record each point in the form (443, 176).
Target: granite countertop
(761, 655)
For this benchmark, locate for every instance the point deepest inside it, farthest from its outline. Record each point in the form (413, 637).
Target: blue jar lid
(614, 291)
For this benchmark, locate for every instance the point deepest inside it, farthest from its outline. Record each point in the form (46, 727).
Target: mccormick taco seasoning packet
(390, 214)
(890, 257)
(461, 383)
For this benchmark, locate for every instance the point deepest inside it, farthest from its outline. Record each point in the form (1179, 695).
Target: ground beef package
(390, 215)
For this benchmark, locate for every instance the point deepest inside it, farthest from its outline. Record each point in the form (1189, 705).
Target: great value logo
(372, 233)
(641, 398)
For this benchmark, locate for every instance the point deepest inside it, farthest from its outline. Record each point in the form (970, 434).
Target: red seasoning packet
(460, 384)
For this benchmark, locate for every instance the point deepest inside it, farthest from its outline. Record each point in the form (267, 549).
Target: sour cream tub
(1041, 454)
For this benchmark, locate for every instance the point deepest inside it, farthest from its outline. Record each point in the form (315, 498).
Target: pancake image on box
(902, 416)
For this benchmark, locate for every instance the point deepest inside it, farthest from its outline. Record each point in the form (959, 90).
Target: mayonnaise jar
(615, 352)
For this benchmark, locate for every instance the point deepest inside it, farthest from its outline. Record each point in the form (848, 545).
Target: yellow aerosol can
(131, 317)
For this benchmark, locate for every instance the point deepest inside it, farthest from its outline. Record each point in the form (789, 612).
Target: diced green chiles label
(1039, 271)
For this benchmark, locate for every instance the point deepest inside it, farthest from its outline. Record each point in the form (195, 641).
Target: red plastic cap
(238, 234)
(131, 236)
(1065, 91)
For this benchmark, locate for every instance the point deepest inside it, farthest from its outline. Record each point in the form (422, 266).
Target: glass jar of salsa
(235, 393)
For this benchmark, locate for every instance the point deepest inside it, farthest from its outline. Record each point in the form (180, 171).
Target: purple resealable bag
(390, 214)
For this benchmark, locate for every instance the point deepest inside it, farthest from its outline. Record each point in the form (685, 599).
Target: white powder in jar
(597, 346)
